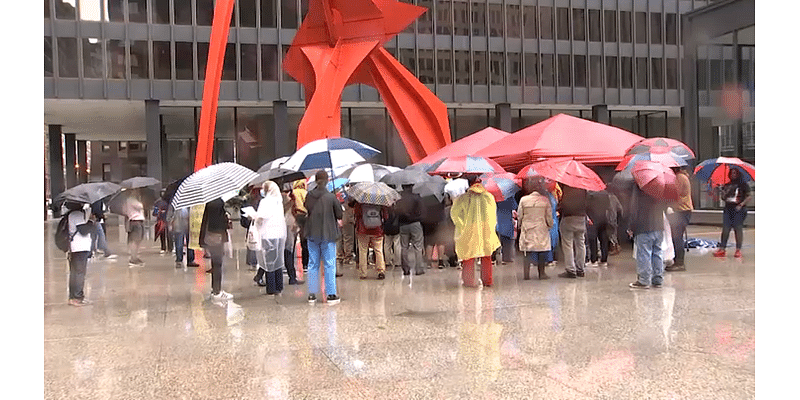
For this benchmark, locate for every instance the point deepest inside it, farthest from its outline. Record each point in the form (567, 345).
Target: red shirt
(360, 223)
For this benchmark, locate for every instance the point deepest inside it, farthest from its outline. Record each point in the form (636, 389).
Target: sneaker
(192, 264)
(419, 273)
(408, 272)
(591, 264)
(79, 302)
(580, 274)
(675, 267)
(135, 263)
(656, 285)
(296, 282)
(738, 253)
(163, 252)
(603, 265)
(222, 295)
(312, 298)
(637, 285)
(381, 275)
(340, 274)
(178, 264)
(567, 274)
(333, 299)
(719, 253)
(362, 277)
(109, 256)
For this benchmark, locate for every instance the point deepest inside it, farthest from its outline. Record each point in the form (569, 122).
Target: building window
(513, 25)
(48, 56)
(531, 69)
(548, 70)
(462, 66)
(578, 24)
(269, 14)
(529, 19)
(514, 69)
(205, 12)
(479, 70)
(107, 172)
(496, 20)
(478, 19)
(202, 60)
(625, 34)
(139, 64)
(65, 9)
(596, 71)
(444, 67)
(626, 72)
(425, 21)
(249, 62)
(286, 76)
(116, 10)
(702, 74)
(116, 59)
(594, 25)
(183, 14)
(247, 13)
(134, 146)
(92, 58)
(641, 73)
(46, 9)
(612, 78)
(123, 146)
(229, 63)
(610, 20)
(269, 62)
(546, 21)
(160, 12)
(655, 28)
(580, 70)
(137, 11)
(730, 74)
(67, 57)
(498, 68)
(641, 27)
(184, 58)
(427, 72)
(749, 135)
(671, 25)
(672, 73)
(716, 74)
(162, 60)
(444, 24)
(727, 141)
(562, 23)
(408, 59)
(564, 71)
(461, 18)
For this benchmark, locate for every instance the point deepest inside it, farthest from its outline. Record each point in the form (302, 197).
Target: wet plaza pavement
(152, 333)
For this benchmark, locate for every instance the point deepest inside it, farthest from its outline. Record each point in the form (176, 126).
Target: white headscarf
(270, 220)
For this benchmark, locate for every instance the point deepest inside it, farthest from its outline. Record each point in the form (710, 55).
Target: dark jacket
(409, 208)
(645, 214)
(324, 210)
(215, 219)
(573, 202)
(599, 207)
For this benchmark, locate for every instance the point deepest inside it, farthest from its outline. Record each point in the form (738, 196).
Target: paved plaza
(152, 333)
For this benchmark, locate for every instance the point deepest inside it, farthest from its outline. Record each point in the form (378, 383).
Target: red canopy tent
(589, 142)
(466, 146)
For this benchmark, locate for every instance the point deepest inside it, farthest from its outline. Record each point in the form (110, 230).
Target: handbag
(213, 239)
(253, 239)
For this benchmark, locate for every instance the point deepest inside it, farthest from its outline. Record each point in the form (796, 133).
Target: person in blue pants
(322, 232)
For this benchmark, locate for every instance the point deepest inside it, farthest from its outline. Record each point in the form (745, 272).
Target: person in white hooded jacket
(271, 225)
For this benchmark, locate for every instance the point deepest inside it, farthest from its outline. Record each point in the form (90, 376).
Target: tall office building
(127, 76)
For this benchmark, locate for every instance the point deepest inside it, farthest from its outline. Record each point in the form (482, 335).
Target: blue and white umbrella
(330, 154)
(367, 172)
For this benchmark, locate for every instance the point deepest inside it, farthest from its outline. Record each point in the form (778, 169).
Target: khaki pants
(345, 247)
(392, 250)
(364, 243)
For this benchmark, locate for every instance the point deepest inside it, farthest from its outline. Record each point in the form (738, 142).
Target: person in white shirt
(81, 225)
(134, 211)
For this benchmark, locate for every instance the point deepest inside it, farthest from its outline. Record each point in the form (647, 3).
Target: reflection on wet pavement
(152, 332)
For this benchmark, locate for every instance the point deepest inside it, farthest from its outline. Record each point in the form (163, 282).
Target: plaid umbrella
(467, 165)
(139, 182)
(373, 193)
(367, 172)
(501, 186)
(87, 193)
(211, 183)
(715, 170)
(659, 154)
(656, 179)
(330, 153)
(662, 145)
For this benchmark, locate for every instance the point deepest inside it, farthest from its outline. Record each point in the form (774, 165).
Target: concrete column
(69, 160)
(281, 113)
(502, 117)
(153, 133)
(83, 176)
(601, 114)
(55, 156)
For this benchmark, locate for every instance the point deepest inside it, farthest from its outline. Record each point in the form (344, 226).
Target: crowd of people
(416, 233)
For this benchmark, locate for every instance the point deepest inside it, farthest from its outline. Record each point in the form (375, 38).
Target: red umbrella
(467, 165)
(656, 179)
(659, 154)
(501, 186)
(715, 170)
(569, 172)
(661, 145)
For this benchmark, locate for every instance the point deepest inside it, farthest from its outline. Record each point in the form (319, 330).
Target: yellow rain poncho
(475, 215)
(299, 196)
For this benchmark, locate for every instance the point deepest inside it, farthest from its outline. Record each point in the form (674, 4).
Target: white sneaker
(591, 264)
(163, 252)
(604, 264)
(222, 295)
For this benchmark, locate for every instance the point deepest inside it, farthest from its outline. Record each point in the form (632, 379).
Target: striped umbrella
(467, 165)
(501, 186)
(715, 170)
(332, 153)
(377, 193)
(211, 183)
(367, 172)
(663, 145)
(659, 154)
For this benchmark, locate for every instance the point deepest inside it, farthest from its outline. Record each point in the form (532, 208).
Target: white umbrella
(211, 183)
(367, 172)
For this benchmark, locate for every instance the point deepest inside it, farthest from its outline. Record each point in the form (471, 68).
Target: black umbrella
(87, 193)
(405, 177)
(139, 182)
(117, 203)
(170, 190)
(278, 175)
(432, 187)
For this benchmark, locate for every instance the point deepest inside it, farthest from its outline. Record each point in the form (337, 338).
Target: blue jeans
(180, 241)
(99, 240)
(650, 257)
(328, 252)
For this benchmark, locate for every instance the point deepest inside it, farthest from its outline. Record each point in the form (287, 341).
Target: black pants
(677, 224)
(288, 263)
(593, 233)
(217, 252)
(301, 224)
(273, 279)
(77, 273)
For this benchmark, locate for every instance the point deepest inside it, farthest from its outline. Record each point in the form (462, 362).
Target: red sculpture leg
(216, 54)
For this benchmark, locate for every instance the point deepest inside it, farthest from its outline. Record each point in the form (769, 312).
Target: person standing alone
(736, 194)
(134, 212)
(322, 232)
(80, 226)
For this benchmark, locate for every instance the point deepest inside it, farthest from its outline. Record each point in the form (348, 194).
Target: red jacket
(357, 211)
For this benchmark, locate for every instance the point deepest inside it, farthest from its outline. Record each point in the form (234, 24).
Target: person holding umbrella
(133, 210)
(409, 210)
(81, 225)
(214, 235)
(322, 231)
(655, 183)
(162, 228)
(679, 218)
(475, 216)
(736, 194)
(372, 200)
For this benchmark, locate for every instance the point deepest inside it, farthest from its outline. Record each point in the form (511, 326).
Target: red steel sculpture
(340, 43)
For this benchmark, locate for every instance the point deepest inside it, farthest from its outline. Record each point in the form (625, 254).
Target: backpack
(62, 236)
(371, 216)
(392, 224)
